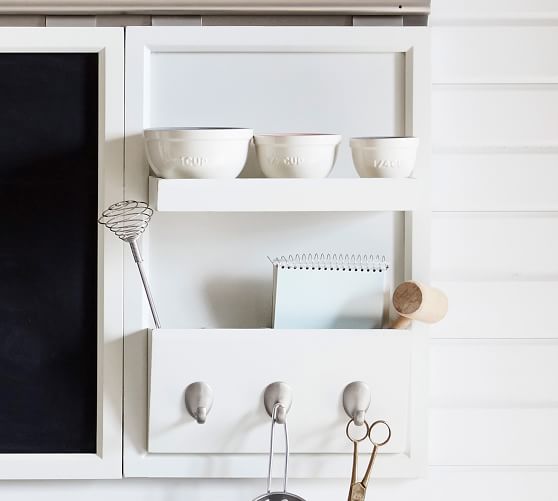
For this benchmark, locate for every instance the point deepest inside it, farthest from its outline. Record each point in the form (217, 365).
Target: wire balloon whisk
(128, 220)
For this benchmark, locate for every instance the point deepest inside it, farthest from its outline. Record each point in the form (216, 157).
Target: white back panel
(211, 270)
(353, 94)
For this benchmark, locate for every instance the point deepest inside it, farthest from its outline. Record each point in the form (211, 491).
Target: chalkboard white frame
(107, 461)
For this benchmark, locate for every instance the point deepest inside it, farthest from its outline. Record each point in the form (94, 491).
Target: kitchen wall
(494, 360)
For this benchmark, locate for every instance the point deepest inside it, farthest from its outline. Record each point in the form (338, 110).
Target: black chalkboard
(48, 252)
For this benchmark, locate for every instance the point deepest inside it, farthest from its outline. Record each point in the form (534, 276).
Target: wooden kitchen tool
(417, 301)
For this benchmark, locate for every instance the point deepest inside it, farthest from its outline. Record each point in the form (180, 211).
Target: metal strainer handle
(276, 409)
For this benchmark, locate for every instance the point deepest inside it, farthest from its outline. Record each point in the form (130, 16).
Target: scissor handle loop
(356, 440)
(369, 434)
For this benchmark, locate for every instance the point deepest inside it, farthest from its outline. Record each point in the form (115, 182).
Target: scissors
(357, 491)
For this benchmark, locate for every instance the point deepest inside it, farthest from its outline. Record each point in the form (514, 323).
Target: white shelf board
(238, 427)
(283, 195)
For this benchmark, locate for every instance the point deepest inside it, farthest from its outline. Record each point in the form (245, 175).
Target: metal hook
(356, 401)
(278, 393)
(199, 400)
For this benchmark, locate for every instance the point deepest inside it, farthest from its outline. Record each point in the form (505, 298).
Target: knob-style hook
(278, 393)
(356, 400)
(199, 400)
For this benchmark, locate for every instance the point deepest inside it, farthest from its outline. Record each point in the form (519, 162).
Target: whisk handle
(139, 261)
(135, 251)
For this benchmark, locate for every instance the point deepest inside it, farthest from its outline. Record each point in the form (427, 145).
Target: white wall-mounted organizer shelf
(208, 242)
(284, 195)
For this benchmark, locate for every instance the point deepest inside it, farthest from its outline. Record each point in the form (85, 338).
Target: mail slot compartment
(238, 364)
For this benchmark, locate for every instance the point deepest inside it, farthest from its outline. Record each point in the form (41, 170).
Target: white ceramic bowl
(384, 156)
(297, 155)
(197, 152)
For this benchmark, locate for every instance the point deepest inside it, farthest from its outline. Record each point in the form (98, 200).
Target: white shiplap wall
(494, 371)
(494, 360)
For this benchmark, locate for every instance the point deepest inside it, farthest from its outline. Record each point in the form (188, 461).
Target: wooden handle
(418, 301)
(400, 323)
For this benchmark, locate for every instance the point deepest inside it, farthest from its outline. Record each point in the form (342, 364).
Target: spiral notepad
(329, 291)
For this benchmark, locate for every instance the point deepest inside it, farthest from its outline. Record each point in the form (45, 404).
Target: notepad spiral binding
(333, 262)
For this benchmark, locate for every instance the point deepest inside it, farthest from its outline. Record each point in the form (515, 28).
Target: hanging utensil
(128, 220)
(278, 495)
(357, 491)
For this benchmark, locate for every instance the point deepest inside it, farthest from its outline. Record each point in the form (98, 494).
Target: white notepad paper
(329, 292)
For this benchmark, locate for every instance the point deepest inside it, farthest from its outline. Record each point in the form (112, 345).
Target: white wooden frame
(140, 44)
(107, 462)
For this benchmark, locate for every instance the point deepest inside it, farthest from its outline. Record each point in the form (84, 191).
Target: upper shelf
(283, 195)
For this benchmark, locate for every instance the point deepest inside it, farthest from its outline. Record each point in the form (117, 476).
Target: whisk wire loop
(127, 219)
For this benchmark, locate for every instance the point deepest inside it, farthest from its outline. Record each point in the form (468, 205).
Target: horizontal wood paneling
(494, 116)
(441, 484)
(494, 246)
(489, 54)
(499, 310)
(495, 135)
(494, 437)
(495, 182)
(494, 374)
(457, 12)
(444, 484)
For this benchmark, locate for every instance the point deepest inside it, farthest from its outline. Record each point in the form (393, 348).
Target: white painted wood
(489, 54)
(476, 182)
(417, 230)
(106, 463)
(161, 91)
(463, 484)
(238, 422)
(485, 485)
(283, 195)
(511, 309)
(533, 480)
(238, 425)
(494, 246)
(494, 437)
(493, 12)
(491, 116)
(494, 152)
(194, 467)
(494, 374)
